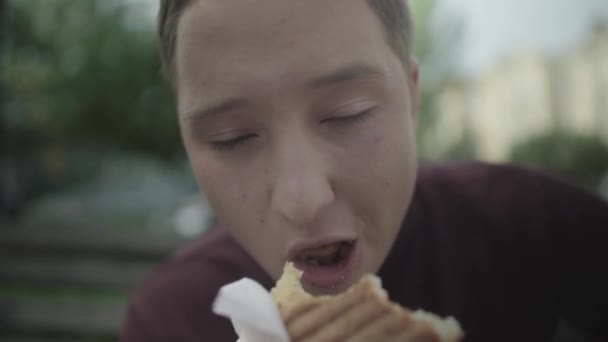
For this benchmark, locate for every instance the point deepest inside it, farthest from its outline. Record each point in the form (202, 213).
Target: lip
(326, 279)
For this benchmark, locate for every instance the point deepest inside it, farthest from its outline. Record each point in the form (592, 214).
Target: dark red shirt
(505, 250)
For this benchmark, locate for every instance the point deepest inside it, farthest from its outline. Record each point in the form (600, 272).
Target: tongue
(326, 268)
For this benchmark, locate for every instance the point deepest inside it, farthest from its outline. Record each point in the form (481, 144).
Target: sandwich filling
(326, 255)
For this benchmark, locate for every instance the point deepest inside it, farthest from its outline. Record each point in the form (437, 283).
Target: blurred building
(524, 96)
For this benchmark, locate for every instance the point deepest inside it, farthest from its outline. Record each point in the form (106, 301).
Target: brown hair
(394, 15)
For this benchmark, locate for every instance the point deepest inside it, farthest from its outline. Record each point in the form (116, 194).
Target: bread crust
(361, 313)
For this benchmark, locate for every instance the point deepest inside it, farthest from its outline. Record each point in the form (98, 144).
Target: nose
(301, 188)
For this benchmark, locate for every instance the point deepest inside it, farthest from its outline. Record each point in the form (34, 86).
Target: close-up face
(299, 121)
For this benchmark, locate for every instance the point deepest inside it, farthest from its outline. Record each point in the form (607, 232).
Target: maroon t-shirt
(505, 250)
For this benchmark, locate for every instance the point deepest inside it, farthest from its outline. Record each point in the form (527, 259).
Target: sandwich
(361, 313)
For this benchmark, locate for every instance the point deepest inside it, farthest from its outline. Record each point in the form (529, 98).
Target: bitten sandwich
(361, 313)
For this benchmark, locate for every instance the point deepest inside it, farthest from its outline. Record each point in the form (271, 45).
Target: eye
(231, 143)
(349, 119)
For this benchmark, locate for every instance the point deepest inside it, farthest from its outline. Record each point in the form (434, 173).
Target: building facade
(527, 95)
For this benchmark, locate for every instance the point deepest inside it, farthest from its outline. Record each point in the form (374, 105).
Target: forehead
(227, 46)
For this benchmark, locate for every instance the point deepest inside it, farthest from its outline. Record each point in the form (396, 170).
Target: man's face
(298, 119)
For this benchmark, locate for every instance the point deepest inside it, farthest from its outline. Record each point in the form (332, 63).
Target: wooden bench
(72, 284)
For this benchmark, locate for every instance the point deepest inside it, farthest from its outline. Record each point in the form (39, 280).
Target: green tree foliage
(582, 159)
(422, 11)
(437, 43)
(86, 72)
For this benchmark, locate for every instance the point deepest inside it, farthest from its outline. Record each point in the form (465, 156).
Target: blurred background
(95, 189)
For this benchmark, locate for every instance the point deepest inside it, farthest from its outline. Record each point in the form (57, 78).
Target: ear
(413, 78)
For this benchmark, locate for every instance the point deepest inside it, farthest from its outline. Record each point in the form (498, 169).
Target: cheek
(379, 173)
(229, 189)
(382, 150)
(236, 194)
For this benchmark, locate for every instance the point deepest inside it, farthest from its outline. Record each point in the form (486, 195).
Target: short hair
(394, 15)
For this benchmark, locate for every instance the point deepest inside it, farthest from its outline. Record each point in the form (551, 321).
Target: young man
(299, 121)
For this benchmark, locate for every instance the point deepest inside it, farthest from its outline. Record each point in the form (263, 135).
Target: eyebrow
(345, 74)
(217, 108)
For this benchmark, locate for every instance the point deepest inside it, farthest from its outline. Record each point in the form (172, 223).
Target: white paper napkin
(253, 313)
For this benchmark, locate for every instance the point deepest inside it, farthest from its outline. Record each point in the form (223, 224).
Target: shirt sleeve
(135, 329)
(175, 305)
(577, 226)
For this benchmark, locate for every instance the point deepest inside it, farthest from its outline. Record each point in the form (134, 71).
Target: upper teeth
(321, 252)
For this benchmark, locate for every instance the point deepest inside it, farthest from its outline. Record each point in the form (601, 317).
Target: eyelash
(351, 119)
(231, 143)
(341, 120)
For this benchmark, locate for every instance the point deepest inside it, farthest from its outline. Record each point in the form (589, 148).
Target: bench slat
(132, 244)
(84, 272)
(71, 319)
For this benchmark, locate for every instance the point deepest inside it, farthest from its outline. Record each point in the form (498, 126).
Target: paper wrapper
(253, 313)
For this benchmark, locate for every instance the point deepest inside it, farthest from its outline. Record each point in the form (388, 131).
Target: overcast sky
(497, 28)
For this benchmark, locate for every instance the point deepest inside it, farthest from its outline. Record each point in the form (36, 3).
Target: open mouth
(327, 268)
(326, 255)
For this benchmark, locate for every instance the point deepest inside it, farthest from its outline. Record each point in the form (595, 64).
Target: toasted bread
(361, 313)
